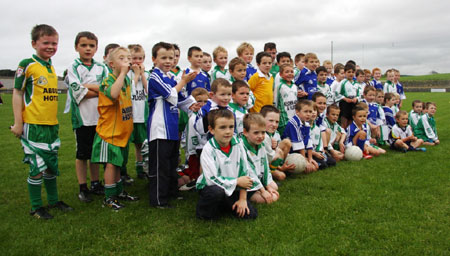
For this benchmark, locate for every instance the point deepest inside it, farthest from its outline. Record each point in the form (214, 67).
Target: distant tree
(7, 72)
(434, 72)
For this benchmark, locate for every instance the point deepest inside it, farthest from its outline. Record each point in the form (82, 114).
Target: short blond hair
(325, 62)
(218, 50)
(242, 47)
(253, 118)
(310, 56)
(114, 52)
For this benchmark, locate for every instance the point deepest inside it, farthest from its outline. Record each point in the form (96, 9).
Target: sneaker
(84, 196)
(41, 213)
(403, 150)
(367, 156)
(113, 203)
(125, 196)
(98, 189)
(127, 180)
(421, 149)
(188, 186)
(60, 205)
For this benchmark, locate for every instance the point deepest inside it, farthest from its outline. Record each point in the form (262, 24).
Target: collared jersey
(239, 113)
(307, 81)
(223, 169)
(325, 89)
(79, 74)
(346, 89)
(251, 96)
(275, 69)
(262, 87)
(200, 81)
(352, 130)
(139, 97)
(316, 138)
(285, 100)
(335, 128)
(413, 119)
(359, 90)
(389, 87)
(217, 73)
(257, 161)
(376, 114)
(398, 133)
(268, 144)
(389, 117)
(250, 71)
(377, 84)
(177, 73)
(400, 91)
(299, 134)
(426, 128)
(37, 80)
(115, 123)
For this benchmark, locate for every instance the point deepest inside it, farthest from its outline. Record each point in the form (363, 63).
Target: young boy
(206, 64)
(176, 70)
(240, 94)
(220, 57)
(299, 61)
(238, 69)
(323, 159)
(379, 97)
(323, 86)
(271, 49)
(426, 127)
(335, 134)
(139, 80)
(346, 96)
(367, 77)
(108, 49)
(402, 137)
(277, 149)
(307, 80)
(246, 51)
(84, 77)
(226, 177)
(285, 96)
(114, 128)
(298, 131)
(376, 115)
(283, 58)
(390, 86)
(261, 83)
(162, 128)
(339, 75)
(376, 82)
(415, 113)
(35, 106)
(254, 133)
(195, 57)
(329, 67)
(359, 84)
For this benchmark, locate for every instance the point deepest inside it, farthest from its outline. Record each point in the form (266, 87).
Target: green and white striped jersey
(285, 100)
(257, 161)
(239, 113)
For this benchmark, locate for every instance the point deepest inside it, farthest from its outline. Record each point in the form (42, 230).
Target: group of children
(236, 123)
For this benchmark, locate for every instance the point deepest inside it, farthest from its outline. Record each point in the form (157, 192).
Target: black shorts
(393, 147)
(346, 109)
(84, 137)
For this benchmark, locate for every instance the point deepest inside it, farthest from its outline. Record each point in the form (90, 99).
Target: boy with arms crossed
(402, 137)
(346, 96)
(35, 106)
(226, 177)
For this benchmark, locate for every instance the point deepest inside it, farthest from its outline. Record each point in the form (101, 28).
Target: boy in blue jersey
(329, 67)
(376, 82)
(298, 131)
(164, 99)
(399, 86)
(376, 115)
(299, 62)
(195, 57)
(246, 52)
(307, 80)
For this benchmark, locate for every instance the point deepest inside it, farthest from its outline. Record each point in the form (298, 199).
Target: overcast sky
(413, 36)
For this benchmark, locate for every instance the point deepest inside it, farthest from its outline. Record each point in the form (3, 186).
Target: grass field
(436, 77)
(397, 204)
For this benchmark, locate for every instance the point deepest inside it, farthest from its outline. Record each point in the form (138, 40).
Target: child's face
(222, 97)
(137, 57)
(265, 65)
(402, 121)
(255, 135)
(176, 58)
(121, 58)
(46, 46)
(390, 76)
(287, 74)
(418, 107)
(312, 64)
(223, 130)
(396, 76)
(273, 53)
(360, 117)
(367, 77)
(305, 113)
(397, 100)
(313, 116)
(196, 59)
(240, 97)
(377, 75)
(164, 59)
(333, 115)
(86, 48)
(349, 74)
(329, 68)
(221, 59)
(340, 75)
(272, 121)
(322, 77)
(206, 63)
(247, 55)
(360, 78)
(321, 103)
(301, 63)
(370, 96)
(380, 97)
(239, 72)
(284, 61)
(391, 102)
(202, 99)
(432, 110)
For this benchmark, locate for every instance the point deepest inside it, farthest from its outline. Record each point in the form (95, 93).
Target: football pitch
(396, 204)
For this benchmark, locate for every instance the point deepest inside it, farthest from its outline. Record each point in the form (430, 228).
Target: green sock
(139, 167)
(110, 190)
(34, 188)
(50, 187)
(123, 170)
(119, 187)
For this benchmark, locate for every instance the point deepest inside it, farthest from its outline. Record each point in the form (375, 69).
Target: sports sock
(110, 190)
(83, 187)
(360, 143)
(139, 167)
(119, 187)
(51, 188)
(34, 188)
(123, 171)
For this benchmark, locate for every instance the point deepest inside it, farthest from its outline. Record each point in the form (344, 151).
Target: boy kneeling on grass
(226, 178)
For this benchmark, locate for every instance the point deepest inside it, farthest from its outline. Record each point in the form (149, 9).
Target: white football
(353, 153)
(298, 160)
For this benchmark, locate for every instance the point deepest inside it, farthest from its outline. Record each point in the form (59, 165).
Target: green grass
(436, 77)
(397, 204)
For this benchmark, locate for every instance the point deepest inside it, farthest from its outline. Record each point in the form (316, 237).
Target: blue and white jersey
(298, 132)
(352, 130)
(320, 121)
(307, 81)
(200, 81)
(164, 101)
(376, 114)
(400, 91)
(250, 71)
(330, 80)
(377, 84)
(389, 115)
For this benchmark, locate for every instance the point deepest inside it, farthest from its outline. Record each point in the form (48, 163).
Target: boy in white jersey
(415, 113)
(402, 136)
(176, 70)
(323, 159)
(139, 80)
(299, 61)
(390, 86)
(346, 95)
(206, 64)
(335, 133)
(239, 93)
(359, 84)
(339, 75)
(285, 96)
(84, 77)
(322, 85)
(238, 71)
(226, 177)
(283, 58)
(254, 134)
(220, 57)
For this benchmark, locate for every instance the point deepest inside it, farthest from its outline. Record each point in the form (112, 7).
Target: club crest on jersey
(19, 72)
(42, 81)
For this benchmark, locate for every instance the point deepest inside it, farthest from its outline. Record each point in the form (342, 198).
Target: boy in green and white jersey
(426, 127)
(285, 96)
(239, 93)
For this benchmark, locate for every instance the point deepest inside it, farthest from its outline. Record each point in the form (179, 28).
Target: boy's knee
(213, 192)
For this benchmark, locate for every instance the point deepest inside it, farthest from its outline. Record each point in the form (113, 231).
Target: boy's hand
(188, 77)
(136, 69)
(273, 191)
(245, 182)
(142, 67)
(301, 94)
(342, 148)
(274, 143)
(195, 107)
(309, 167)
(124, 68)
(241, 208)
(318, 155)
(436, 142)
(267, 196)
(286, 167)
(17, 130)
